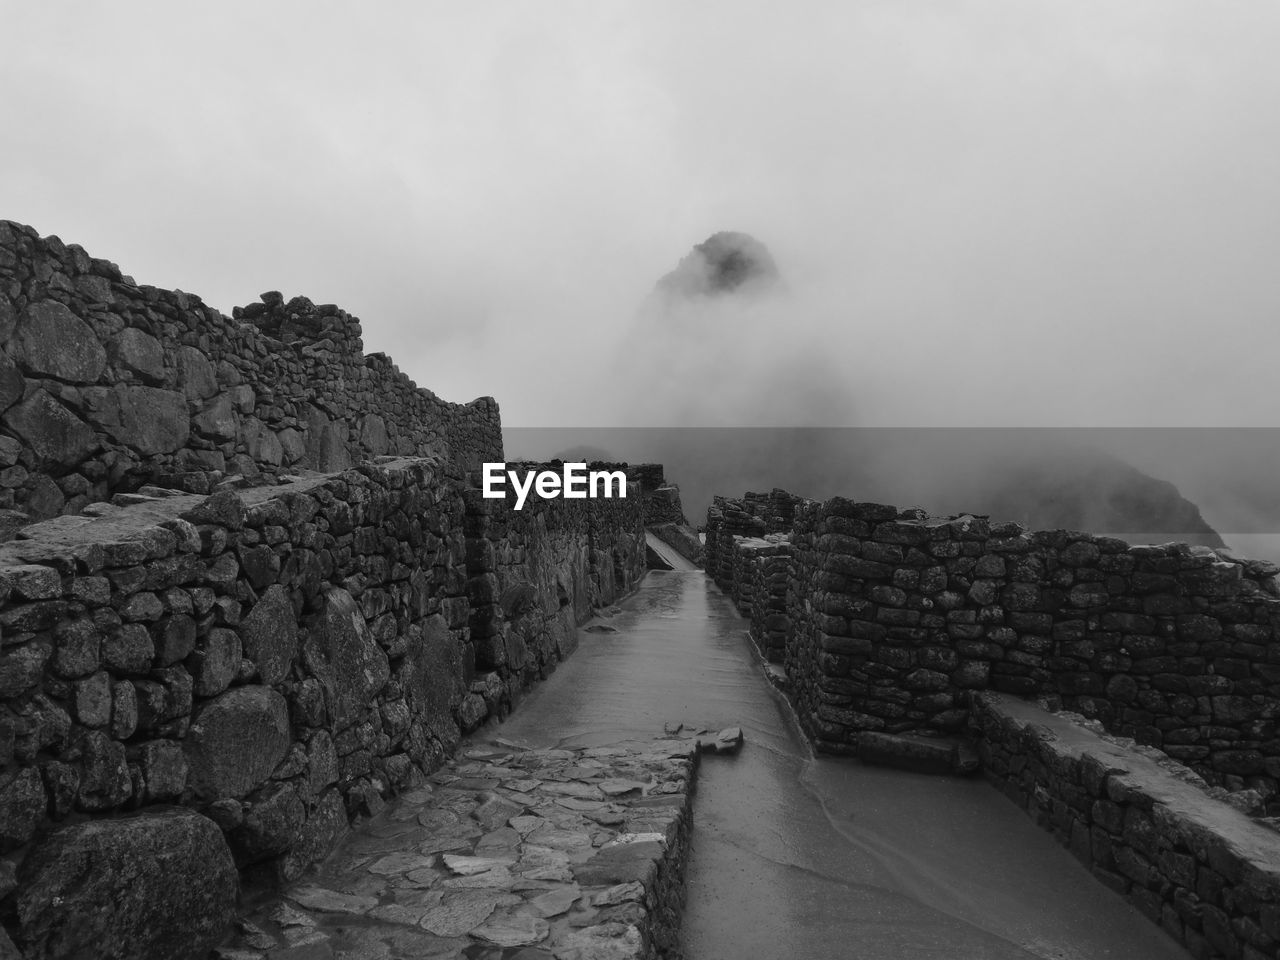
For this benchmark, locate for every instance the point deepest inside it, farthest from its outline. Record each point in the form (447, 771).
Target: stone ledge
(566, 854)
(1208, 874)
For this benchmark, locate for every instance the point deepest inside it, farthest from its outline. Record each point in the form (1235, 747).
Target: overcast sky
(987, 213)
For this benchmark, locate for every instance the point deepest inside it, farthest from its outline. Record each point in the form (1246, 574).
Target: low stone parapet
(1200, 868)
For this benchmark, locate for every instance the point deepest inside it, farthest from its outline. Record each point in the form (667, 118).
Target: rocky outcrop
(726, 262)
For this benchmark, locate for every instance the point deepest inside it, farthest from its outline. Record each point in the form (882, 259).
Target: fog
(986, 214)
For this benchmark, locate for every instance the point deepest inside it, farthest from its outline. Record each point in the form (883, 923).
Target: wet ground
(502, 855)
(800, 858)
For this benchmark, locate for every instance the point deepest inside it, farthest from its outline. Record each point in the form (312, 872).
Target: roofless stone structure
(249, 589)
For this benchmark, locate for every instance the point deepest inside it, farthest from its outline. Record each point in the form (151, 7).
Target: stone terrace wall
(1205, 872)
(106, 384)
(896, 618)
(283, 658)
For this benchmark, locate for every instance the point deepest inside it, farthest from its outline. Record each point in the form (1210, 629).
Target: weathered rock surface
(269, 635)
(342, 652)
(140, 353)
(11, 383)
(146, 419)
(54, 342)
(236, 741)
(55, 435)
(22, 806)
(431, 690)
(153, 886)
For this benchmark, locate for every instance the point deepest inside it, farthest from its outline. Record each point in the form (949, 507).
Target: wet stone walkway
(790, 857)
(506, 852)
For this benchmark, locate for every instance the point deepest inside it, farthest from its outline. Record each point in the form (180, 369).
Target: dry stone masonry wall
(1202, 870)
(248, 589)
(898, 623)
(748, 552)
(106, 385)
(278, 659)
(894, 619)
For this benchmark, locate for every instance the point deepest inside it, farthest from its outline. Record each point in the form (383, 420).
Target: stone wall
(752, 515)
(762, 574)
(536, 573)
(1202, 870)
(896, 618)
(106, 385)
(279, 659)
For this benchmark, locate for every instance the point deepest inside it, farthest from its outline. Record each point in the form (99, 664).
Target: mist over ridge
(726, 353)
(988, 214)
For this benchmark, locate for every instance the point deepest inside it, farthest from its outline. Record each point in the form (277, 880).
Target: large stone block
(325, 826)
(105, 782)
(327, 448)
(164, 770)
(432, 675)
(373, 434)
(343, 655)
(55, 435)
(146, 419)
(215, 662)
(261, 442)
(22, 667)
(196, 375)
(154, 886)
(270, 635)
(22, 806)
(271, 826)
(8, 318)
(236, 741)
(11, 384)
(54, 342)
(218, 420)
(138, 351)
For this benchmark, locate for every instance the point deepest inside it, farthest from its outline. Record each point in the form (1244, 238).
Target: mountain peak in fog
(726, 262)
